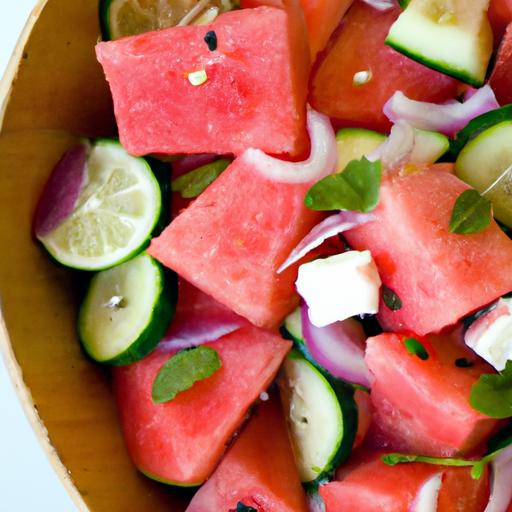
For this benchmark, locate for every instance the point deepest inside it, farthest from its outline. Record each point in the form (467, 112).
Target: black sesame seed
(211, 40)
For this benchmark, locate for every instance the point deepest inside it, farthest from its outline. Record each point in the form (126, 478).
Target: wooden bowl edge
(6, 352)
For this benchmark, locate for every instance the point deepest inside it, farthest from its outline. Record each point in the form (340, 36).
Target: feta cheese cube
(339, 287)
(490, 336)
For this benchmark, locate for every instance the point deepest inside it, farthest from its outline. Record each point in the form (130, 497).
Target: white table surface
(27, 481)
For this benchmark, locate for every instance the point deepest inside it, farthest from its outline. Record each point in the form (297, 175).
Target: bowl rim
(14, 370)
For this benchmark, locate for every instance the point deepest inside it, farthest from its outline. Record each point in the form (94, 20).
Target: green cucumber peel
(183, 370)
(356, 188)
(471, 213)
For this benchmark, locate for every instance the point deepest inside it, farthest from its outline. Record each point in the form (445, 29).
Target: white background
(27, 481)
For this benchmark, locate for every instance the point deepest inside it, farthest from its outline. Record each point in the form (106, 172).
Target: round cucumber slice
(429, 147)
(354, 143)
(121, 18)
(126, 311)
(117, 210)
(321, 415)
(485, 163)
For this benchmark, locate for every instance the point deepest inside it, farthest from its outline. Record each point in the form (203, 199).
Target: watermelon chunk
(364, 415)
(439, 276)
(500, 15)
(181, 441)
(259, 469)
(360, 46)
(423, 406)
(322, 17)
(501, 77)
(251, 97)
(232, 239)
(370, 485)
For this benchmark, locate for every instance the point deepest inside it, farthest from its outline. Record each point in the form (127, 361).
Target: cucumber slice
(293, 326)
(121, 18)
(321, 415)
(354, 143)
(126, 311)
(452, 37)
(429, 146)
(485, 164)
(478, 125)
(118, 208)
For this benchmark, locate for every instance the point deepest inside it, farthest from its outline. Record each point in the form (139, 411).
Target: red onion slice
(331, 226)
(426, 499)
(501, 482)
(448, 118)
(338, 347)
(191, 162)
(321, 162)
(381, 5)
(397, 148)
(199, 319)
(62, 190)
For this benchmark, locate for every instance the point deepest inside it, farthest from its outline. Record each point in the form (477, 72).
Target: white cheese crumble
(339, 287)
(491, 336)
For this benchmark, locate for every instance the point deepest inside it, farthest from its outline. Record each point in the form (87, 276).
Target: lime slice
(118, 207)
(127, 310)
(121, 18)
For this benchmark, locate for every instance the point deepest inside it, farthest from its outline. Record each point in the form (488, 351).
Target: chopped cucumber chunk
(485, 163)
(452, 37)
(321, 415)
(126, 311)
(118, 208)
(354, 143)
(429, 147)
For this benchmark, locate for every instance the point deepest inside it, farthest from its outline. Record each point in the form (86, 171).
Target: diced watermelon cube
(501, 77)
(259, 469)
(369, 485)
(251, 96)
(500, 15)
(359, 47)
(182, 441)
(439, 276)
(422, 406)
(232, 239)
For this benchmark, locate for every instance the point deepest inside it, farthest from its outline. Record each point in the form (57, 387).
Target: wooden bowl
(53, 91)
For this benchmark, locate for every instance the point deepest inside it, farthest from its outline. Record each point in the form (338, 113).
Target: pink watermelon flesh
(251, 97)
(422, 407)
(439, 276)
(369, 485)
(182, 441)
(258, 470)
(232, 239)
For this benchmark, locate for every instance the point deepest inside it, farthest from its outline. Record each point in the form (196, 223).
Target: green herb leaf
(356, 188)
(391, 299)
(240, 507)
(194, 182)
(182, 370)
(415, 348)
(392, 459)
(492, 394)
(471, 213)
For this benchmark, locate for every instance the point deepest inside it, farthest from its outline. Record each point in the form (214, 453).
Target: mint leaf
(415, 348)
(194, 182)
(356, 188)
(471, 213)
(391, 299)
(182, 370)
(492, 394)
(392, 459)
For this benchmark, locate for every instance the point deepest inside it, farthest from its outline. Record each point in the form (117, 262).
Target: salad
(298, 250)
